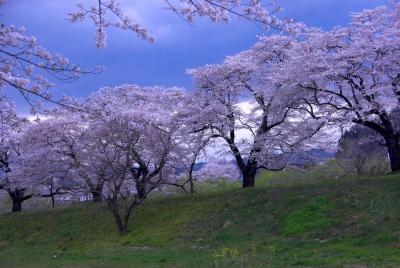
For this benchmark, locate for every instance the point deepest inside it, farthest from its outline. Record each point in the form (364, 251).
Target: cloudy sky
(178, 46)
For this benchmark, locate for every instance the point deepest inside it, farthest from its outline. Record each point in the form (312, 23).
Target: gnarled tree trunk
(97, 197)
(393, 148)
(390, 136)
(17, 204)
(18, 196)
(141, 191)
(249, 175)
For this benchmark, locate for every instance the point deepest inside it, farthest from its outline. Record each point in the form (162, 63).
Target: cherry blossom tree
(136, 133)
(217, 169)
(11, 129)
(353, 73)
(108, 13)
(240, 103)
(120, 152)
(45, 169)
(69, 150)
(139, 156)
(193, 147)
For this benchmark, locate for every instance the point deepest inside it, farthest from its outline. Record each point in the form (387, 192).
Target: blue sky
(178, 46)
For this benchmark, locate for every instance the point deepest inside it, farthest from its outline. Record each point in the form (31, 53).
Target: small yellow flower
(253, 248)
(272, 249)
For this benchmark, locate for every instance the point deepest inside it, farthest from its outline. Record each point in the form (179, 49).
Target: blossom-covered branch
(25, 66)
(108, 13)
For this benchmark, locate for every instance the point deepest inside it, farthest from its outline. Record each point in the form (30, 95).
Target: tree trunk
(17, 205)
(118, 222)
(141, 192)
(113, 206)
(97, 193)
(249, 176)
(391, 137)
(394, 153)
(17, 197)
(97, 197)
(191, 186)
(191, 178)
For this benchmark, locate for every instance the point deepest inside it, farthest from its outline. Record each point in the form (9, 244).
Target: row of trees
(132, 141)
(361, 152)
(285, 94)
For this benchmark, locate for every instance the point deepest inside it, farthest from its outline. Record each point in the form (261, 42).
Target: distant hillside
(303, 158)
(313, 156)
(345, 223)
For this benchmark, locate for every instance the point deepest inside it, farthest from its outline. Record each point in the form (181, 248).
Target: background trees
(217, 169)
(361, 151)
(193, 148)
(64, 140)
(11, 129)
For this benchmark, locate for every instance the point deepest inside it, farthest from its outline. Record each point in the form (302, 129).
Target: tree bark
(17, 197)
(191, 185)
(97, 193)
(97, 198)
(141, 192)
(191, 178)
(53, 201)
(394, 153)
(121, 221)
(248, 170)
(391, 138)
(249, 175)
(119, 224)
(17, 205)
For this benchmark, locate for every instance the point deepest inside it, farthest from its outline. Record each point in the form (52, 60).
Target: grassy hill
(351, 223)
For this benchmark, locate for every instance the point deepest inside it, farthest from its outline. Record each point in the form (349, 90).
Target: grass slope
(352, 223)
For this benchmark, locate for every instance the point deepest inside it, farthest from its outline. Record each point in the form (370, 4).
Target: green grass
(333, 223)
(311, 217)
